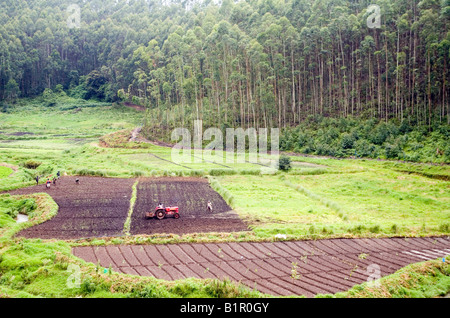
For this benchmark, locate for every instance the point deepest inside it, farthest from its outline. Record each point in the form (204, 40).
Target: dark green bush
(347, 141)
(284, 163)
(392, 151)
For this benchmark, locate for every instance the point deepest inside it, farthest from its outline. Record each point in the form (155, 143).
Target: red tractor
(163, 212)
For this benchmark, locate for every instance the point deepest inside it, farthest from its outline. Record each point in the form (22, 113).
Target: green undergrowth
(5, 172)
(127, 224)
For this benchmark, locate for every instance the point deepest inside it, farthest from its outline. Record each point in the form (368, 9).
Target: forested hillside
(255, 63)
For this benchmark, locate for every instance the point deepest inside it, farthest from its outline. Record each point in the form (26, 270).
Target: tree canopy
(253, 63)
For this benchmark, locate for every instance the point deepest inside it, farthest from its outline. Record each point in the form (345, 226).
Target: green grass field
(317, 198)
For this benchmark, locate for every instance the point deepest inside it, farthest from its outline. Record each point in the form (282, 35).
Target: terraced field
(279, 268)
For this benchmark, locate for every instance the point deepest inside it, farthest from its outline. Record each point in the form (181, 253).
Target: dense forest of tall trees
(253, 63)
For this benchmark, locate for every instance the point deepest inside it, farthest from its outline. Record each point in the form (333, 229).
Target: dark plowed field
(98, 207)
(93, 208)
(191, 195)
(280, 268)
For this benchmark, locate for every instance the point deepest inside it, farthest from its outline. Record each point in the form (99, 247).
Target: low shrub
(32, 164)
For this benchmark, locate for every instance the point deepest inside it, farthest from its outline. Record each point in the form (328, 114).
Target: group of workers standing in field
(49, 182)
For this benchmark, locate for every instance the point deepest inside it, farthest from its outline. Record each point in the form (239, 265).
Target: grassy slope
(349, 199)
(5, 172)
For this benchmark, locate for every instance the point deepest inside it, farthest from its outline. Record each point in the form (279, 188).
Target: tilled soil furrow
(302, 268)
(104, 258)
(282, 246)
(270, 265)
(281, 266)
(227, 250)
(391, 259)
(429, 255)
(128, 254)
(393, 245)
(86, 253)
(266, 286)
(143, 271)
(158, 272)
(264, 251)
(189, 250)
(216, 250)
(348, 245)
(444, 251)
(386, 247)
(154, 255)
(222, 270)
(296, 286)
(173, 271)
(201, 270)
(418, 244)
(233, 269)
(317, 250)
(139, 253)
(399, 259)
(370, 246)
(329, 248)
(259, 270)
(187, 272)
(419, 258)
(353, 280)
(331, 279)
(247, 249)
(260, 287)
(319, 283)
(167, 255)
(191, 196)
(273, 249)
(203, 250)
(301, 287)
(130, 271)
(401, 243)
(299, 249)
(340, 247)
(116, 255)
(376, 259)
(355, 247)
(355, 274)
(181, 255)
(245, 268)
(320, 263)
(303, 246)
(434, 243)
(95, 207)
(443, 241)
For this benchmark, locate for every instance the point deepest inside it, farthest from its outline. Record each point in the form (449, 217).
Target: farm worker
(58, 174)
(48, 183)
(37, 180)
(160, 206)
(209, 206)
(77, 181)
(54, 180)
